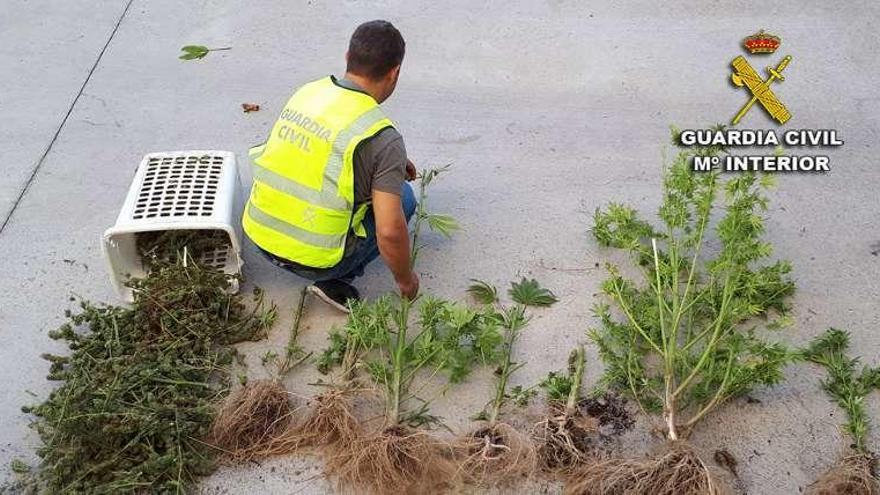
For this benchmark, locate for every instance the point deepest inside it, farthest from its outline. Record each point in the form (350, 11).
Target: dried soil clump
(571, 440)
(398, 459)
(255, 415)
(610, 412)
(497, 454)
(853, 475)
(679, 471)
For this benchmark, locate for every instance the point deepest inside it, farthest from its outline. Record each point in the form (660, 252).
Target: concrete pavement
(548, 110)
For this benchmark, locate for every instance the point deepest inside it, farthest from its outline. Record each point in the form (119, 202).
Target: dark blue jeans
(357, 256)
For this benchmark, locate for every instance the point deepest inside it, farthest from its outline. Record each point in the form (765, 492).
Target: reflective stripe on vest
(301, 204)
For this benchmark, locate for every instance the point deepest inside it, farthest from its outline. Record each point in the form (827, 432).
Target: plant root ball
(566, 443)
(329, 423)
(853, 475)
(250, 418)
(678, 471)
(494, 455)
(397, 459)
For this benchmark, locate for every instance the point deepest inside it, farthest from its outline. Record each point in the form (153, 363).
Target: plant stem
(292, 348)
(501, 387)
(397, 358)
(578, 377)
(622, 301)
(668, 354)
(417, 225)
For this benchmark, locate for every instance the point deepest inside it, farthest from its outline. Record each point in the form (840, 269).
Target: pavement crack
(42, 159)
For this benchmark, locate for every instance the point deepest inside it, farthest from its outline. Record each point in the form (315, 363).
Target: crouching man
(330, 192)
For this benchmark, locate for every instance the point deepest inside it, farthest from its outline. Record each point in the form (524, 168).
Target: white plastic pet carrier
(177, 190)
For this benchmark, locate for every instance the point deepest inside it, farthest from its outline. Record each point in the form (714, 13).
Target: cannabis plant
(445, 338)
(564, 437)
(848, 386)
(137, 391)
(437, 222)
(686, 339)
(257, 419)
(496, 452)
(576, 428)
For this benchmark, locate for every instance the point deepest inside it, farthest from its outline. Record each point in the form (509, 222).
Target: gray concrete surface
(548, 109)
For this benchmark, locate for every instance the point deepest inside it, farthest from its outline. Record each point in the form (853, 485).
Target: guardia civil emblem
(745, 76)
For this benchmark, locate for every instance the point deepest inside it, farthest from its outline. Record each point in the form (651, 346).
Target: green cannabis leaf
(530, 293)
(444, 224)
(483, 292)
(193, 52)
(197, 52)
(557, 386)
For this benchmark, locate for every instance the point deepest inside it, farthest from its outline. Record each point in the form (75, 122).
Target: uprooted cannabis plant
(344, 346)
(686, 339)
(497, 452)
(137, 391)
(576, 427)
(258, 419)
(856, 472)
(400, 456)
(330, 420)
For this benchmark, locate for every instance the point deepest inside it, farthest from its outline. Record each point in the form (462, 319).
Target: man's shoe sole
(327, 299)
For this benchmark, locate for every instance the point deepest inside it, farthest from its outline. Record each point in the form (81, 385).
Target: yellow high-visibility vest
(301, 206)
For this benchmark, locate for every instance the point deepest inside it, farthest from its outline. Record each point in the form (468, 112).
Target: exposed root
(496, 455)
(328, 424)
(853, 475)
(251, 417)
(679, 471)
(566, 442)
(396, 460)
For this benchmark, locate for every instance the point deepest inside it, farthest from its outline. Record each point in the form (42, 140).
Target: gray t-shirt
(379, 162)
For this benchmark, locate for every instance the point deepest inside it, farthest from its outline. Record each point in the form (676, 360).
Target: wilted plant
(483, 292)
(686, 341)
(138, 388)
(856, 473)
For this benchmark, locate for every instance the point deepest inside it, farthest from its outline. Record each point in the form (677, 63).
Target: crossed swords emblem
(745, 75)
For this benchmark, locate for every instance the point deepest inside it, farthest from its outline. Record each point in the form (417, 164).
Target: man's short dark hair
(376, 47)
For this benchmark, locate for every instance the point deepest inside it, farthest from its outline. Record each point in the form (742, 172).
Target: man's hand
(392, 237)
(411, 171)
(410, 288)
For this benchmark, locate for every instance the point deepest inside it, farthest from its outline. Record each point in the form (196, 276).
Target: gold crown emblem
(762, 42)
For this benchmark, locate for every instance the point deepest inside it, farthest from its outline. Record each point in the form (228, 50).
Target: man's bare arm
(392, 237)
